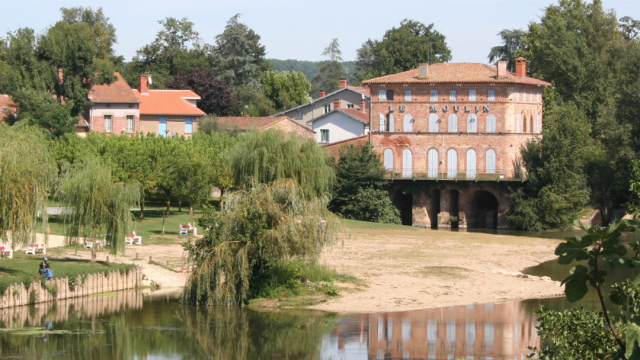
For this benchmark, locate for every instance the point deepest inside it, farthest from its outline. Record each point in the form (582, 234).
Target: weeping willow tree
(258, 227)
(27, 174)
(266, 156)
(96, 207)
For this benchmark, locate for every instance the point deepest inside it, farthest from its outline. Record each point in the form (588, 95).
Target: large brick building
(453, 123)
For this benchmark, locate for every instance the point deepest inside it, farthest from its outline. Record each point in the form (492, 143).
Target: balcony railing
(472, 175)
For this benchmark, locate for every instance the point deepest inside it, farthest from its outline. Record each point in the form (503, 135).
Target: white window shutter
(518, 123)
(472, 95)
(433, 163)
(453, 123)
(491, 123)
(491, 96)
(408, 96)
(539, 124)
(408, 123)
(407, 163)
(433, 123)
(452, 164)
(391, 123)
(472, 123)
(382, 95)
(471, 164)
(388, 160)
(382, 127)
(433, 95)
(491, 162)
(453, 95)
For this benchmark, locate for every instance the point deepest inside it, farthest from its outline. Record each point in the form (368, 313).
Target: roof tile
(116, 92)
(168, 102)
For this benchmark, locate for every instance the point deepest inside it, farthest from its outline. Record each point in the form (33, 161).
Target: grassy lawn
(24, 268)
(356, 224)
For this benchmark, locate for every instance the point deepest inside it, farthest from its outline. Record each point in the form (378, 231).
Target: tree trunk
(142, 207)
(168, 205)
(191, 209)
(221, 197)
(179, 205)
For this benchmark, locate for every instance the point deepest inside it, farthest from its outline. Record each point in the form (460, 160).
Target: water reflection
(128, 326)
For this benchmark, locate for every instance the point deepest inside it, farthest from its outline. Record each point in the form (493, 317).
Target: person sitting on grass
(44, 267)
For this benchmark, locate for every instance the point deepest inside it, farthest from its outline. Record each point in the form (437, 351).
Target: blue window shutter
(188, 125)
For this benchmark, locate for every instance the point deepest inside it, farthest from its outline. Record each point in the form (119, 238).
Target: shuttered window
(472, 95)
(433, 95)
(491, 96)
(471, 164)
(130, 123)
(408, 96)
(162, 126)
(382, 95)
(517, 95)
(433, 123)
(491, 123)
(188, 125)
(452, 164)
(539, 121)
(389, 95)
(407, 163)
(453, 95)
(491, 162)
(388, 160)
(518, 123)
(433, 164)
(538, 96)
(381, 125)
(391, 122)
(472, 123)
(453, 123)
(108, 123)
(408, 123)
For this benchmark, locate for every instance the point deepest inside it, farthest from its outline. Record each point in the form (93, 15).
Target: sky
(301, 29)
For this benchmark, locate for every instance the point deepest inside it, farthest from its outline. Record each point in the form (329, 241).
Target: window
(389, 95)
(524, 96)
(525, 123)
(518, 123)
(299, 114)
(408, 95)
(433, 163)
(491, 162)
(433, 123)
(539, 129)
(350, 106)
(382, 95)
(472, 95)
(433, 95)
(162, 126)
(388, 160)
(130, 123)
(472, 123)
(108, 123)
(491, 96)
(408, 123)
(471, 164)
(470, 333)
(407, 163)
(452, 164)
(451, 331)
(188, 125)
(324, 135)
(538, 96)
(390, 123)
(488, 333)
(453, 123)
(453, 95)
(517, 95)
(327, 108)
(531, 96)
(381, 125)
(491, 123)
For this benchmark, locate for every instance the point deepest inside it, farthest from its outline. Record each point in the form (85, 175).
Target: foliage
(359, 192)
(401, 49)
(104, 31)
(556, 187)
(257, 228)
(20, 67)
(38, 108)
(329, 72)
(285, 89)
(265, 156)
(97, 207)
(216, 97)
(512, 43)
(27, 174)
(212, 124)
(308, 68)
(634, 204)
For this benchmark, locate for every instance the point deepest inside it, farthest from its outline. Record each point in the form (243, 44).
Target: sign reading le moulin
(456, 108)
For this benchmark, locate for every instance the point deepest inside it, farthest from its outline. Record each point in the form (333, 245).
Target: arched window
(471, 164)
(472, 123)
(433, 123)
(491, 162)
(382, 123)
(539, 124)
(517, 95)
(433, 163)
(408, 96)
(525, 124)
(452, 164)
(531, 123)
(491, 123)
(391, 122)
(538, 96)
(407, 163)
(433, 95)
(453, 123)
(388, 160)
(408, 123)
(518, 123)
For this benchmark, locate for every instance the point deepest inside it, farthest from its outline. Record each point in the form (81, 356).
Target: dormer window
(453, 95)
(491, 96)
(408, 95)
(472, 95)
(433, 95)
(327, 108)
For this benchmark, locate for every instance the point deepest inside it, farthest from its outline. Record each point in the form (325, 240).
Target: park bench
(6, 252)
(35, 249)
(132, 239)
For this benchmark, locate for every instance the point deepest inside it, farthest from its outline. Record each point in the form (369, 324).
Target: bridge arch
(484, 209)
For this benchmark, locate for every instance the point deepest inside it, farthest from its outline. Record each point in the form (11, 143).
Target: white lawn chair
(6, 252)
(133, 239)
(184, 230)
(36, 248)
(89, 243)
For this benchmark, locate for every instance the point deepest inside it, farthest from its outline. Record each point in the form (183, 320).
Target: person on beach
(44, 267)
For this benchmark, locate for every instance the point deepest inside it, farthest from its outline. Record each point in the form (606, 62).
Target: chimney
(521, 67)
(336, 103)
(423, 71)
(322, 93)
(343, 83)
(502, 69)
(363, 105)
(144, 85)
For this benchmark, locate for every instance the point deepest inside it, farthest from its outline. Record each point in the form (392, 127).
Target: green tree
(512, 43)
(258, 227)
(556, 187)
(28, 175)
(40, 109)
(97, 207)
(104, 31)
(329, 72)
(215, 96)
(401, 49)
(21, 68)
(285, 89)
(265, 156)
(359, 190)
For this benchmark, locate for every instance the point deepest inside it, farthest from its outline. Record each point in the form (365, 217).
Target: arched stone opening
(434, 209)
(485, 208)
(404, 203)
(454, 208)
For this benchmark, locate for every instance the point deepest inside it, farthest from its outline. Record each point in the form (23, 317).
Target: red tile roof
(364, 116)
(168, 102)
(361, 89)
(117, 92)
(456, 73)
(254, 123)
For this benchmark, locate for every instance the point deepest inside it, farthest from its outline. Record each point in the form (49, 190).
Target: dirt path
(418, 269)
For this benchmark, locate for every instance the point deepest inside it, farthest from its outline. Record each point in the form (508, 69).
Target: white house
(340, 124)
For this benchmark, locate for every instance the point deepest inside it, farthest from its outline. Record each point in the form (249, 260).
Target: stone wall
(19, 294)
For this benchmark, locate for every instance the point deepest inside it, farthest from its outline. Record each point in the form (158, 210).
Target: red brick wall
(118, 123)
